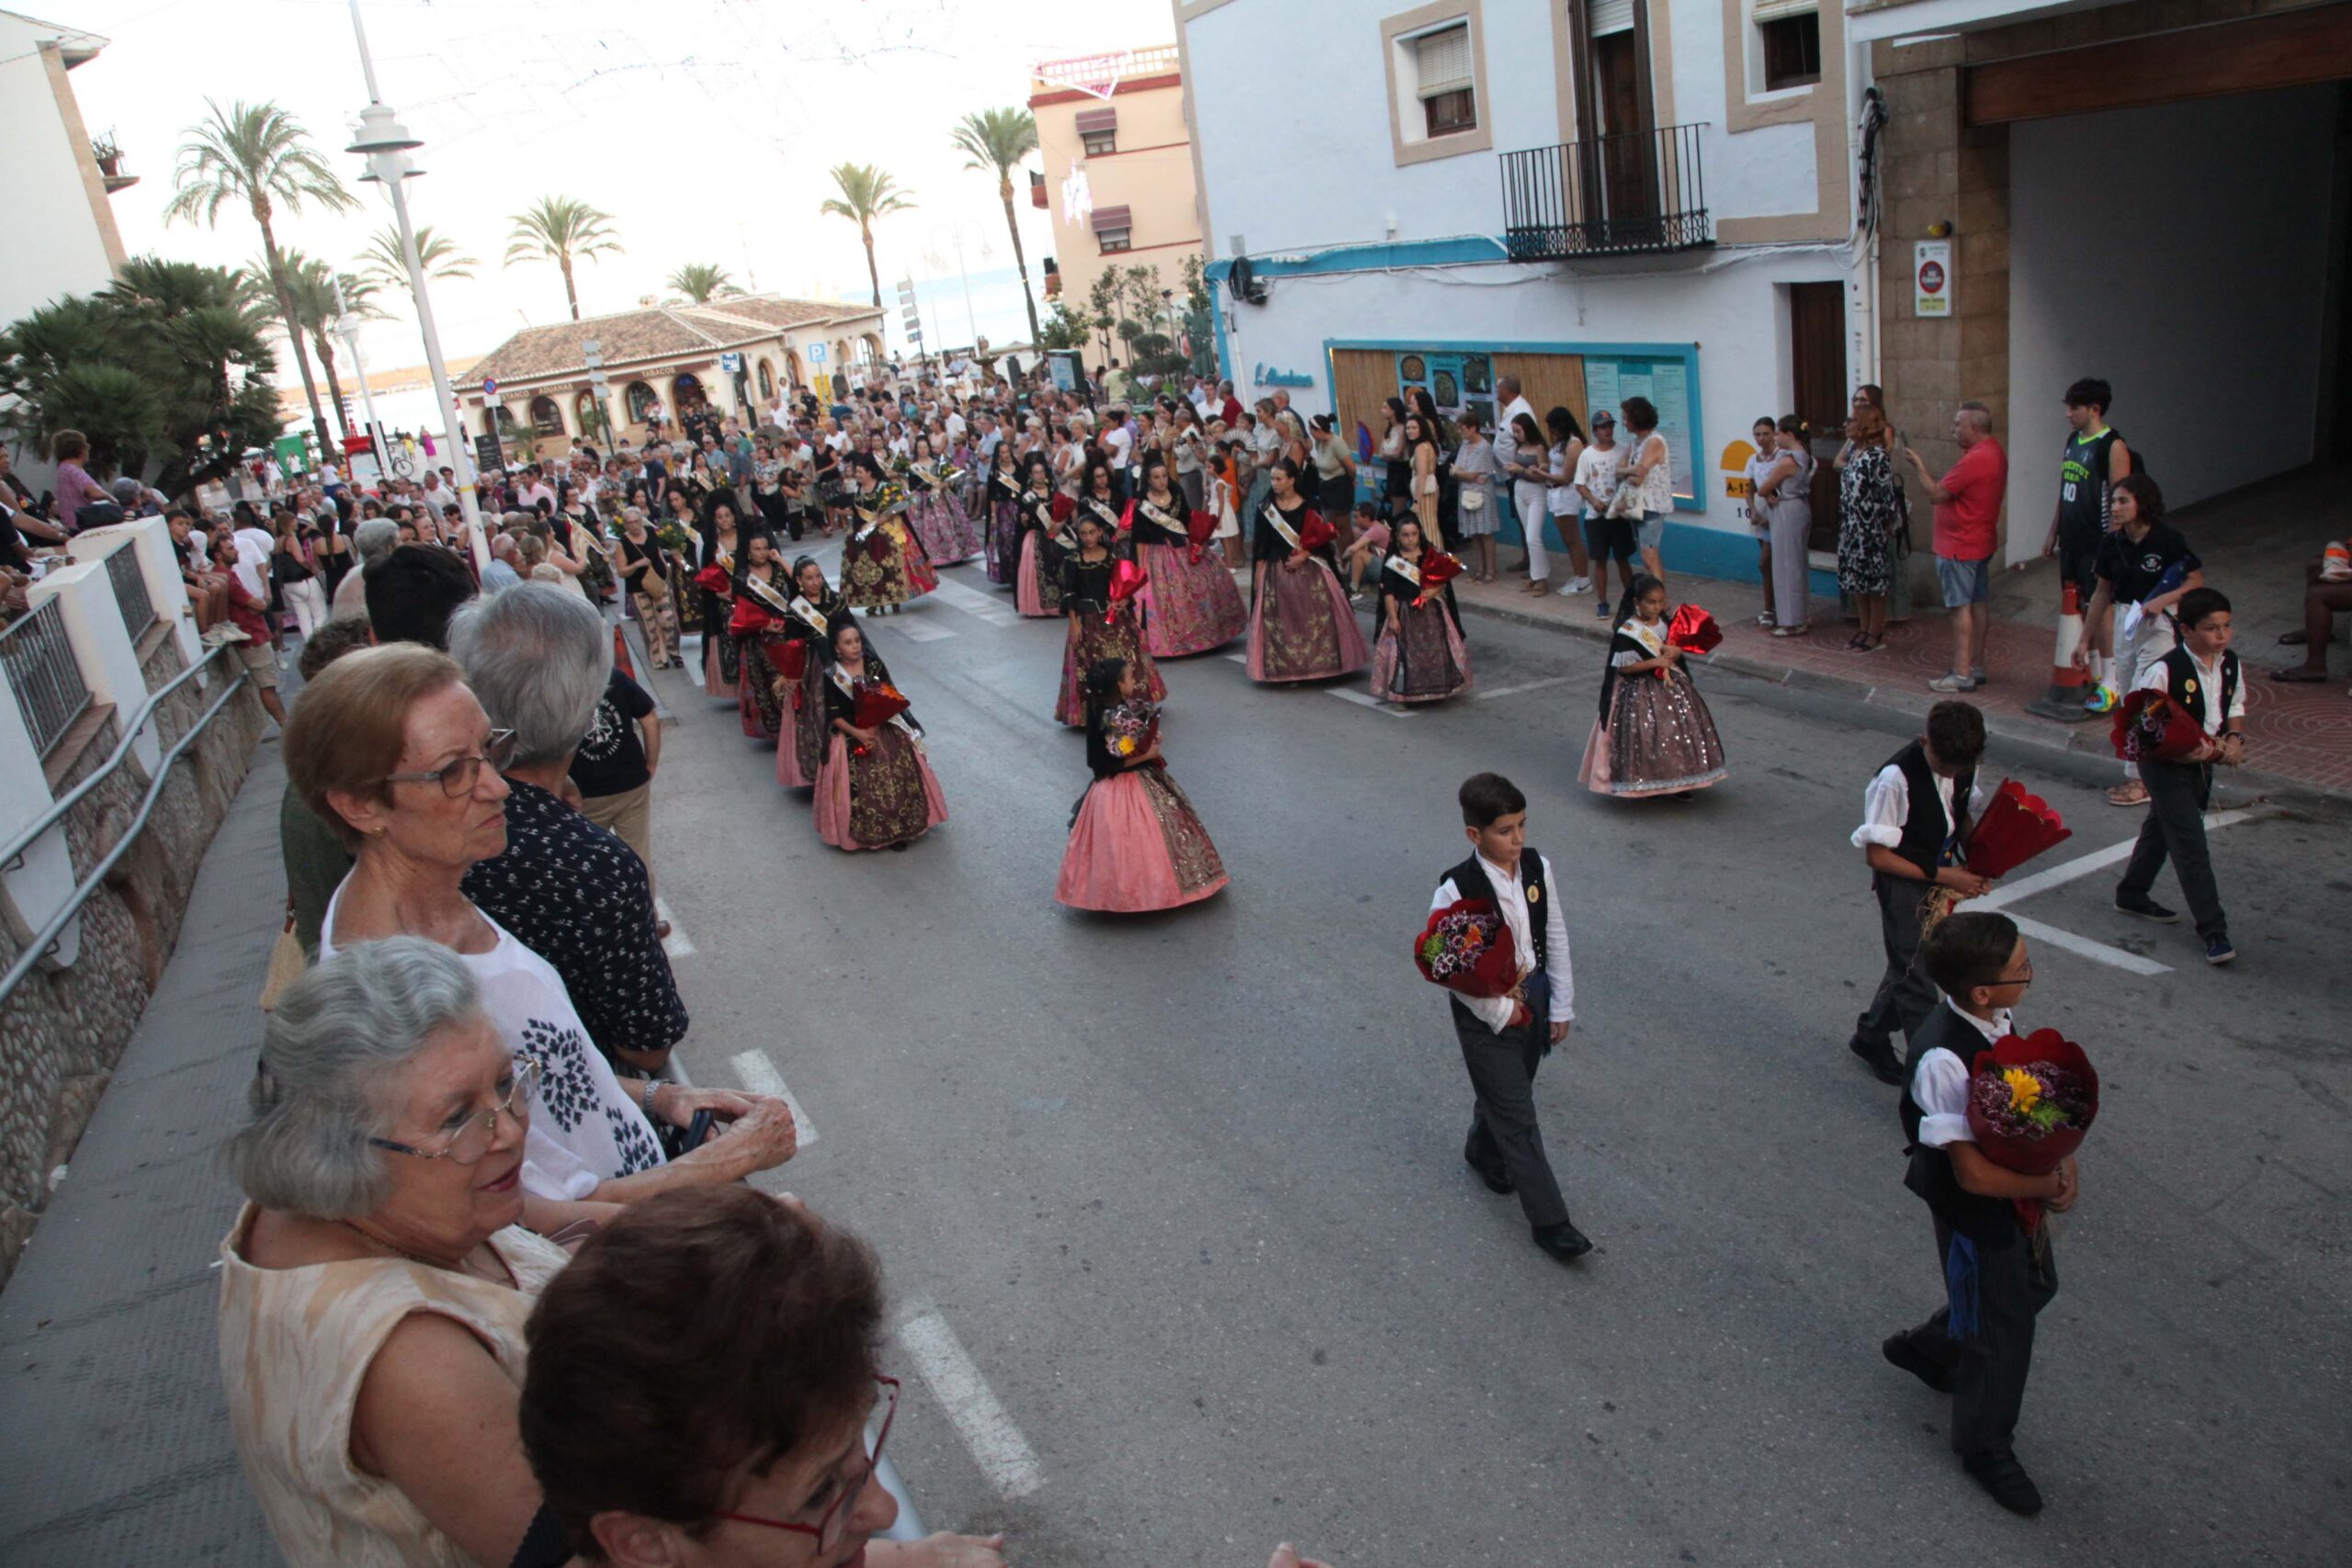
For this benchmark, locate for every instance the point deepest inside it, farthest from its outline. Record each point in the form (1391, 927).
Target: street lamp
(385, 143)
(346, 327)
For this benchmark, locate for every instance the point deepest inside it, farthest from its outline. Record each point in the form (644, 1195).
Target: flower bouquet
(791, 661)
(713, 579)
(672, 536)
(886, 497)
(1127, 580)
(1438, 569)
(1200, 527)
(1131, 728)
(2016, 826)
(2031, 1100)
(1466, 947)
(1692, 630)
(749, 619)
(875, 704)
(2151, 727)
(1313, 532)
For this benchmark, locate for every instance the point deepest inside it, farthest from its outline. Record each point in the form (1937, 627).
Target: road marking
(1365, 699)
(759, 1076)
(2097, 951)
(1239, 657)
(990, 607)
(995, 1443)
(2082, 866)
(1528, 686)
(675, 944)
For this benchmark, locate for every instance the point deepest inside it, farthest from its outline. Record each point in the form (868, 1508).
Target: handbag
(287, 961)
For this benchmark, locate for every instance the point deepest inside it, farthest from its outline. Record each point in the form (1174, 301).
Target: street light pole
(386, 143)
(346, 327)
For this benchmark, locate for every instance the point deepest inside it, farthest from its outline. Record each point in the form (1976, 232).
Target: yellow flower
(2025, 1090)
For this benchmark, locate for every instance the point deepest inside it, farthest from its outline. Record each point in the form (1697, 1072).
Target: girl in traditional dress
(722, 548)
(800, 743)
(882, 564)
(1098, 627)
(1039, 591)
(1001, 498)
(1099, 498)
(1419, 657)
(937, 518)
(758, 626)
(1301, 626)
(875, 789)
(1654, 735)
(1135, 842)
(1190, 606)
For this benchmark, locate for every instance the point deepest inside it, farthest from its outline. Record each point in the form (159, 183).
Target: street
(1186, 1188)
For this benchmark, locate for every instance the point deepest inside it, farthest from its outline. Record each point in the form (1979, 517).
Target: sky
(706, 128)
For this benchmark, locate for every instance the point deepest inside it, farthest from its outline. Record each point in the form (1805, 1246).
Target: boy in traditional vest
(2201, 675)
(1916, 815)
(1505, 1038)
(1978, 1345)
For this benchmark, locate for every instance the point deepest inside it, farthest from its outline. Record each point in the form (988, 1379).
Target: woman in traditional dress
(1190, 605)
(1099, 629)
(1038, 589)
(1001, 496)
(1135, 842)
(758, 626)
(1419, 657)
(875, 789)
(722, 548)
(880, 564)
(1654, 735)
(1099, 497)
(800, 747)
(937, 517)
(1301, 626)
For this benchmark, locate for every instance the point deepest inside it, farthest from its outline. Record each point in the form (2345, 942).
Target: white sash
(1103, 514)
(760, 590)
(872, 522)
(1273, 514)
(1652, 638)
(1149, 510)
(1403, 569)
(1011, 485)
(809, 612)
(849, 690)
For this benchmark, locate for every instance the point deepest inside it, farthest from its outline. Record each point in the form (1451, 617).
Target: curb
(2081, 753)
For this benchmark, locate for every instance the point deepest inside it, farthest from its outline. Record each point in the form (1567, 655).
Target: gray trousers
(2178, 792)
(1504, 1138)
(1988, 1369)
(1905, 996)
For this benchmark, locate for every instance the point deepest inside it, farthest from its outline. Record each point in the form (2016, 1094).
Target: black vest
(2181, 678)
(1471, 881)
(1925, 828)
(1988, 1222)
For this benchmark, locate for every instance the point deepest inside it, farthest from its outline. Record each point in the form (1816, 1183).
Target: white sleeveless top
(295, 1346)
(1657, 485)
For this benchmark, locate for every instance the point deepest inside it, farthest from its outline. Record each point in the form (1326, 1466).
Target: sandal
(2132, 793)
(1872, 644)
(2295, 639)
(1802, 628)
(2295, 674)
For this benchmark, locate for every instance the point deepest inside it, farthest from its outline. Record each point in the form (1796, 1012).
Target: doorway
(1620, 165)
(1818, 386)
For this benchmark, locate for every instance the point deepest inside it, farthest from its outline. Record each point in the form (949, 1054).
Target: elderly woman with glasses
(391, 749)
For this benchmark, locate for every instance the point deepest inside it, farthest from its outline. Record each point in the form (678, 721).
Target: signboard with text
(1931, 279)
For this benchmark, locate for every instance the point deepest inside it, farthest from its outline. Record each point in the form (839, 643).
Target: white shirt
(253, 546)
(1886, 806)
(1939, 1087)
(1597, 475)
(1117, 441)
(1510, 897)
(2157, 677)
(955, 426)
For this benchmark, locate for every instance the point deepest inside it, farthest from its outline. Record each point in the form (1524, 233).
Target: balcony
(1625, 195)
(108, 153)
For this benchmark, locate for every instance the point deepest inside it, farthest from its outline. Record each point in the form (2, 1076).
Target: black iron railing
(38, 659)
(1640, 191)
(130, 590)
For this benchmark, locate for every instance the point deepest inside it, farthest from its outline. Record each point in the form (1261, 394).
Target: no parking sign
(1931, 279)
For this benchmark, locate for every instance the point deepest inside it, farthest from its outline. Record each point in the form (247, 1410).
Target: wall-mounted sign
(1610, 380)
(1931, 279)
(732, 362)
(1262, 377)
(816, 353)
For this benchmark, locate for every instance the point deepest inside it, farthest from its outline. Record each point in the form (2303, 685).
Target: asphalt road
(1186, 1188)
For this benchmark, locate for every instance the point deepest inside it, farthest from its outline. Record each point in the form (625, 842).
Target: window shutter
(1443, 60)
(1610, 16)
(1781, 10)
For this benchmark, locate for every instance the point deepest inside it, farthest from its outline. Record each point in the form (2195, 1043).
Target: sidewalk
(119, 1448)
(2301, 736)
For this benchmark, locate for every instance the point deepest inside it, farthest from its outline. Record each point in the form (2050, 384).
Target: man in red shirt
(1968, 515)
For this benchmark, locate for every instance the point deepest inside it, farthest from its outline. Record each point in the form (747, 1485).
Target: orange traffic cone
(2064, 700)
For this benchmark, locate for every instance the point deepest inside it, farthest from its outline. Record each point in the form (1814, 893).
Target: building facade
(733, 353)
(52, 182)
(1119, 167)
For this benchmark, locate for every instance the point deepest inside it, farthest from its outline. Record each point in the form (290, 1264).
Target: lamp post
(346, 327)
(385, 143)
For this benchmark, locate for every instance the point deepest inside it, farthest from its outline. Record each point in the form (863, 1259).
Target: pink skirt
(1035, 592)
(1191, 607)
(889, 796)
(1303, 629)
(1094, 639)
(1137, 845)
(1659, 739)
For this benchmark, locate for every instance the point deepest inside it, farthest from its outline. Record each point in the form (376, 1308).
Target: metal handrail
(45, 938)
(1621, 193)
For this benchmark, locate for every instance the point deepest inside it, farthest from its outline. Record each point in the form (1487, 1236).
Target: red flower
(2028, 1145)
(1694, 630)
(1201, 526)
(1126, 580)
(2015, 827)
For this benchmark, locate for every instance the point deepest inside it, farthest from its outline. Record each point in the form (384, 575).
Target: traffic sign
(488, 387)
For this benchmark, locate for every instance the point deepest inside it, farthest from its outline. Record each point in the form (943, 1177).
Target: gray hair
(374, 539)
(336, 1039)
(537, 657)
(128, 491)
(1981, 416)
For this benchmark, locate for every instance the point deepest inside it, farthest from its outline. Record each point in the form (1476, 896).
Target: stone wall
(62, 1030)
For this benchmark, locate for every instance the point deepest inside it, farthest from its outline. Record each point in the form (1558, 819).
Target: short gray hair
(374, 539)
(336, 1039)
(1981, 416)
(537, 657)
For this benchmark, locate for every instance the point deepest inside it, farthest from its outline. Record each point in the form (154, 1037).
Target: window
(545, 416)
(640, 401)
(1098, 130)
(1443, 82)
(1114, 228)
(1791, 33)
(1112, 239)
(1097, 143)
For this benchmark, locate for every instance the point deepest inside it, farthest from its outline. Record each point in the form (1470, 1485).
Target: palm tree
(562, 229)
(310, 286)
(1000, 139)
(382, 262)
(866, 194)
(701, 281)
(260, 156)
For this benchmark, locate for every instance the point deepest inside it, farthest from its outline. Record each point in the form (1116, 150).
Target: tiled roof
(662, 331)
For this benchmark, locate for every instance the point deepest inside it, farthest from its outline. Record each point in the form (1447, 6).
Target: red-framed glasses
(830, 1529)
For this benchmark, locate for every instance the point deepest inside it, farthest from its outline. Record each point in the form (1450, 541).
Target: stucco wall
(61, 248)
(1149, 171)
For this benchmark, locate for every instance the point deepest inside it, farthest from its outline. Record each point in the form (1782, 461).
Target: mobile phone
(698, 1132)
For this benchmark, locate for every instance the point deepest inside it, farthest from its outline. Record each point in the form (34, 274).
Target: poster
(1610, 380)
(1931, 280)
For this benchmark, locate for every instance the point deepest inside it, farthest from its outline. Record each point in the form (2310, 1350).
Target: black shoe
(1899, 1352)
(1562, 1241)
(1880, 1058)
(1998, 1471)
(2146, 908)
(1496, 1183)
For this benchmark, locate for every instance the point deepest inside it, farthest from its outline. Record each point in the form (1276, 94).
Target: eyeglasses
(2024, 980)
(456, 778)
(830, 1529)
(472, 1137)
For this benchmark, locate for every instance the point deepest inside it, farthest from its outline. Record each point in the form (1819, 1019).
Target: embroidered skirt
(1004, 542)
(722, 661)
(1193, 606)
(1302, 628)
(1038, 591)
(763, 708)
(800, 748)
(947, 530)
(1138, 844)
(1421, 658)
(1659, 739)
(888, 796)
(1094, 640)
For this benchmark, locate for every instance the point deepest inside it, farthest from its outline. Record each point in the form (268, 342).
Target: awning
(1111, 218)
(1445, 61)
(1093, 121)
(1781, 10)
(1612, 17)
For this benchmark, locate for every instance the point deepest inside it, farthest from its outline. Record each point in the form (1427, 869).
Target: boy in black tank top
(2095, 457)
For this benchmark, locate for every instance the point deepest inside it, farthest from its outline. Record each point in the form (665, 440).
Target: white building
(1676, 195)
(51, 184)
